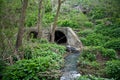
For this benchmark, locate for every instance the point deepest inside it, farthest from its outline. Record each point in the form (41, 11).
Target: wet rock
(72, 75)
(71, 49)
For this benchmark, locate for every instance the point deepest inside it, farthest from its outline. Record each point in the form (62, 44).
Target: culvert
(63, 35)
(60, 37)
(33, 34)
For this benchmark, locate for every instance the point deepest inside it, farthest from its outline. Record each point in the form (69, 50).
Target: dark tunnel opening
(60, 37)
(33, 34)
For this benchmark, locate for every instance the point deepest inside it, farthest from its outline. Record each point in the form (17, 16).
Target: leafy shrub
(31, 19)
(109, 53)
(88, 54)
(43, 40)
(88, 24)
(99, 21)
(113, 69)
(2, 67)
(32, 13)
(68, 23)
(48, 6)
(84, 63)
(112, 31)
(83, 40)
(90, 57)
(46, 49)
(115, 33)
(106, 53)
(48, 18)
(96, 40)
(5, 50)
(90, 77)
(39, 59)
(95, 64)
(117, 21)
(30, 69)
(97, 13)
(86, 32)
(113, 44)
(42, 50)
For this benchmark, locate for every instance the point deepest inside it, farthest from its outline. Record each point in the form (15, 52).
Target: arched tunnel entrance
(33, 34)
(60, 37)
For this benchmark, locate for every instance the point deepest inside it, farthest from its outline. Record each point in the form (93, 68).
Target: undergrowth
(42, 61)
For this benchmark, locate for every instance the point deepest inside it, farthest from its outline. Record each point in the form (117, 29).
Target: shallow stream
(70, 69)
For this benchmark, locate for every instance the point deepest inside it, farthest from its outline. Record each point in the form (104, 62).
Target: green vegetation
(113, 44)
(113, 69)
(100, 56)
(93, 59)
(2, 67)
(97, 23)
(68, 23)
(41, 61)
(90, 77)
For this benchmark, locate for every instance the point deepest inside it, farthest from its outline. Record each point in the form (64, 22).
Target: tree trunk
(55, 21)
(21, 24)
(40, 19)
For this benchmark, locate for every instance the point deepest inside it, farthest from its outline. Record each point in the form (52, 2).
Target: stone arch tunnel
(63, 35)
(60, 37)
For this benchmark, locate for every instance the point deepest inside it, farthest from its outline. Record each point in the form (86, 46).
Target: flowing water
(70, 69)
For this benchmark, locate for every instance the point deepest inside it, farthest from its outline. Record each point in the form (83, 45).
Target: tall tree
(40, 18)
(55, 20)
(21, 24)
